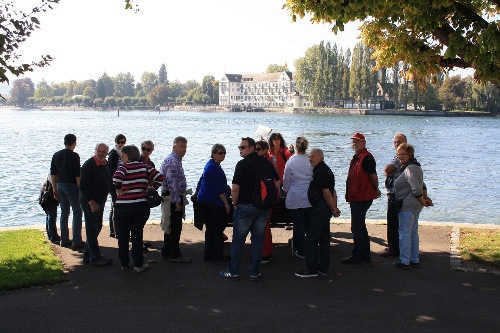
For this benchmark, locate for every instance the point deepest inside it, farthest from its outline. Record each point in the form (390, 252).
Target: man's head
(70, 141)
(358, 142)
(101, 151)
(262, 147)
(180, 146)
(316, 156)
(399, 139)
(246, 147)
(147, 147)
(120, 140)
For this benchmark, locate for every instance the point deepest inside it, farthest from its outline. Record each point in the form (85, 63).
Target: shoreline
(283, 110)
(332, 222)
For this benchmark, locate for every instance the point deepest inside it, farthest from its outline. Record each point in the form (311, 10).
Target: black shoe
(112, 235)
(78, 246)
(322, 272)
(266, 259)
(66, 244)
(414, 264)
(305, 274)
(101, 262)
(399, 264)
(147, 244)
(352, 261)
(145, 250)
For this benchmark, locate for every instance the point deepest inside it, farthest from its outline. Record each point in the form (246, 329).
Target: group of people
(305, 181)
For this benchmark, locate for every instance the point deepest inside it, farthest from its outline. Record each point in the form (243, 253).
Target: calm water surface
(457, 154)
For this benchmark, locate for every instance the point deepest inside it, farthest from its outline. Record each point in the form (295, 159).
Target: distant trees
(162, 75)
(105, 86)
(275, 68)
(21, 92)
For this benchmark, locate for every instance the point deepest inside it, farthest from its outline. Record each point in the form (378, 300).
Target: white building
(260, 90)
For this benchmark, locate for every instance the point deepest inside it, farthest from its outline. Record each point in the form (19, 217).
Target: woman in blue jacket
(212, 196)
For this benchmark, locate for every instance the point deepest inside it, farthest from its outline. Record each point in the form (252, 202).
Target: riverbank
(285, 110)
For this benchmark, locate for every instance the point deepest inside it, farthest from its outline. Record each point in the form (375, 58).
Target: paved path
(373, 297)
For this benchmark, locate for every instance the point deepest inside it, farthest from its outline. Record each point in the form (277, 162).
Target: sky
(193, 38)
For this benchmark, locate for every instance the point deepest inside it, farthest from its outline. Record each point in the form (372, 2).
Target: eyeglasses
(399, 155)
(258, 149)
(146, 149)
(242, 147)
(221, 153)
(122, 142)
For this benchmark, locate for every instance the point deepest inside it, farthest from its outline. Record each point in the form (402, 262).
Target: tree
(452, 92)
(149, 80)
(15, 28)
(207, 87)
(90, 92)
(43, 90)
(124, 85)
(159, 95)
(275, 68)
(105, 86)
(21, 92)
(162, 75)
(431, 36)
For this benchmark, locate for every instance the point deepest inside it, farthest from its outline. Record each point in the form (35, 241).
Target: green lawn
(26, 259)
(481, 246)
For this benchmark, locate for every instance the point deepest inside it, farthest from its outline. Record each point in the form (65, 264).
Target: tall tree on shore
(207, 87)
(124, 85)
(43, 90)
(21, 92)
(149, 80)
(105, 86)
(431, 36)
(162, 75)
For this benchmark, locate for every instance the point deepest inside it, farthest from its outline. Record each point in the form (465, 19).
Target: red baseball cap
(358, 136)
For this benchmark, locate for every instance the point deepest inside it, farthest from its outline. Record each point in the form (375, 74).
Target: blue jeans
(248, 218)
(51, 223)
(359, 231)
(300, 217)
(318, 233)
(408, 237)
(93, 226)
(69, 197)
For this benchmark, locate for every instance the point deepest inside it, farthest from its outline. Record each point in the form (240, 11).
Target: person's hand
(55, 194)
(336, 212)
(428, 202)
(94, 207)
(228, 208)
(178, 207)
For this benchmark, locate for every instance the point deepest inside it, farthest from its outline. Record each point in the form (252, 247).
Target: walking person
(65, 178)
(94, 189)
(361, 190)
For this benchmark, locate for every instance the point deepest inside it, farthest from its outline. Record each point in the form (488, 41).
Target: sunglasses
(146, 149)
(242, 147)
(221, 153)
(122, 142)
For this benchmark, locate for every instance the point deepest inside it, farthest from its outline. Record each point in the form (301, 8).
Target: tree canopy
(431, 36)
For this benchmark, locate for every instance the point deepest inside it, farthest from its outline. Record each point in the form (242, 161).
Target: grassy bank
(26, 259)
(481, 247)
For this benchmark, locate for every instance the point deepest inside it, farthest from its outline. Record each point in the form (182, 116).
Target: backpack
(265, 194)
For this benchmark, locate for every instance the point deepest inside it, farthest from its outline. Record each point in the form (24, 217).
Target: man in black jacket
(94, 189)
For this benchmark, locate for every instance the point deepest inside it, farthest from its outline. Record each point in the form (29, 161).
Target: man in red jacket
(361, 189)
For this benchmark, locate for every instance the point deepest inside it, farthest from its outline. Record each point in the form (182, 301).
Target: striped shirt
(133, 179)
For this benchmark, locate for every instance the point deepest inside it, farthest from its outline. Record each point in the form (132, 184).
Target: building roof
(260, 77)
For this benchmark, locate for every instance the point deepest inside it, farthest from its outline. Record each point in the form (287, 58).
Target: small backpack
(265, 194)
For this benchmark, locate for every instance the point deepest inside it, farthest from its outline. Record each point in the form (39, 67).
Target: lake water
(457, 154)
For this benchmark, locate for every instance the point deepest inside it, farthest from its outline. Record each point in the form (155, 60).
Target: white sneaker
(142, 268)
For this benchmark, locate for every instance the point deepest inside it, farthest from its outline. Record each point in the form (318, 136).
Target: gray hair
(148, 143)
(180, 139)
(319, 151)
(216, 147)
(102, 143)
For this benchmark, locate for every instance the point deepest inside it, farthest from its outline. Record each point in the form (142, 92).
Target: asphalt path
(173, 297)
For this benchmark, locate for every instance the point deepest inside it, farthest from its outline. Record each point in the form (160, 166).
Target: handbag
(397, 204)
(154, 199)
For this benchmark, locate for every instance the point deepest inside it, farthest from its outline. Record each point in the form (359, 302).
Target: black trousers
(392, 227)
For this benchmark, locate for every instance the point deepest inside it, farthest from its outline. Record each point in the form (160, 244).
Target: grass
(26, 259)
(481, 247)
